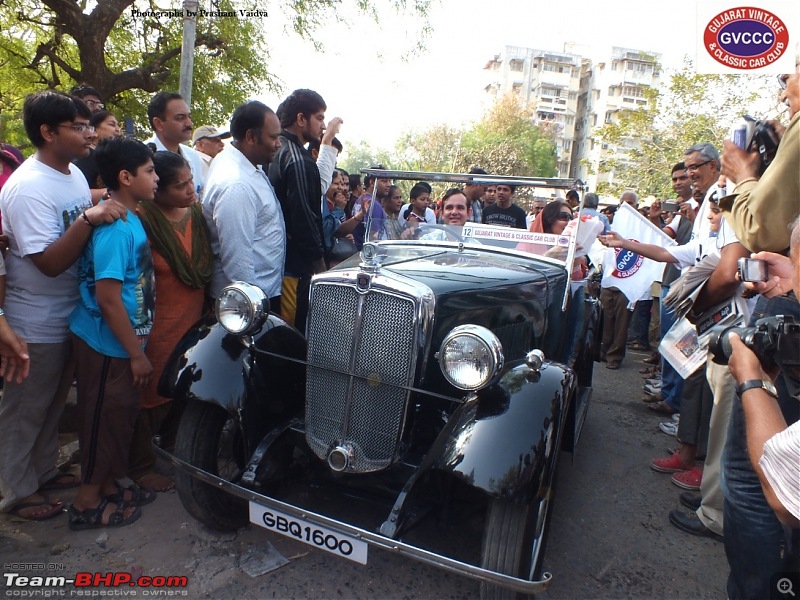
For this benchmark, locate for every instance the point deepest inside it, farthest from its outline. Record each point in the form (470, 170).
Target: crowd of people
(116, 246)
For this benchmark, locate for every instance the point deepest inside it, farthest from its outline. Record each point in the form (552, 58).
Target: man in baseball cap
(207, 140)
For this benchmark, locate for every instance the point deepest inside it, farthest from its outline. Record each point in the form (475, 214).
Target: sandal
(662, 408)
(62, 481)
(156, 482)
(52, 509)
(92, 518)
(132, 495)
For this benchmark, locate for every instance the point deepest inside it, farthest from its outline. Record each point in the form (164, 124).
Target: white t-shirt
(38, 205)
(430, 216)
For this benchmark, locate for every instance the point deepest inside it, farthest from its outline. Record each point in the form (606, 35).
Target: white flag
(631, 273)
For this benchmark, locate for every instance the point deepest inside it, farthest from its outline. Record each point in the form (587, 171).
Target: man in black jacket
(296, 180)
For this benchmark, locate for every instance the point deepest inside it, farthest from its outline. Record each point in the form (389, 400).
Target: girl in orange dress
(183, 263)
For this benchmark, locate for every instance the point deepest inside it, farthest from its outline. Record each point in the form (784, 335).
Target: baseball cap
(207, 131)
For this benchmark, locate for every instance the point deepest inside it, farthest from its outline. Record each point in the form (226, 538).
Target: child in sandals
(109, 329)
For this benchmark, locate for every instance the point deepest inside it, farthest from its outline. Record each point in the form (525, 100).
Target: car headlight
(471, 357)
(241, 308)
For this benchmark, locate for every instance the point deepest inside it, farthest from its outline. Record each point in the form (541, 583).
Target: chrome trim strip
(449, 564)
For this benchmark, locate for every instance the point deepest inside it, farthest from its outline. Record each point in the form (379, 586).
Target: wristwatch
(757, 383)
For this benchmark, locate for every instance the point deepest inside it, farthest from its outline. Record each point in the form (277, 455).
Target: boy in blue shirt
(109, 329)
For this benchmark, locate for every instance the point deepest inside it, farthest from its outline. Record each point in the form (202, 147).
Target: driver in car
(456, 211)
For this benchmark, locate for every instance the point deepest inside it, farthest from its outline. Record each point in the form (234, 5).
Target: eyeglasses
(692, 168)
(783, 80)
(78, 127)
(564, 216)
(94, 104)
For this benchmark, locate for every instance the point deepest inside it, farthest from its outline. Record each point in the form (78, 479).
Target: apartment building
(575, 95)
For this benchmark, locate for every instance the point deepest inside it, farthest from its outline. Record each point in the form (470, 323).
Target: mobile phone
(670, 206)
(753, 270)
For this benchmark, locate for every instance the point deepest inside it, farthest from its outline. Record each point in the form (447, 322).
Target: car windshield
(557, 234)
(577, 233)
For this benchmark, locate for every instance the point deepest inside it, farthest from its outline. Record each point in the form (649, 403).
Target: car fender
(258, 386)
(506, 440)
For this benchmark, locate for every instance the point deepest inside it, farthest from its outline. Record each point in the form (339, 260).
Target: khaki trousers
(723, 387)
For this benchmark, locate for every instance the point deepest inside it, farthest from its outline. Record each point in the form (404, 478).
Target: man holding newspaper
(713, 249)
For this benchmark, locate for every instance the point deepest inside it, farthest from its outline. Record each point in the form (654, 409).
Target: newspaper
(685, 346)
(684, 290)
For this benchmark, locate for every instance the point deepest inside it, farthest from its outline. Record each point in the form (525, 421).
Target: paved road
(610, 536)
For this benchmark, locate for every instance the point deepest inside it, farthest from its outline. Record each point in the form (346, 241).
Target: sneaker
(690, 500)
(669, 427)
(651, 389)
(689, 480)
(676, 417)
(673, 464)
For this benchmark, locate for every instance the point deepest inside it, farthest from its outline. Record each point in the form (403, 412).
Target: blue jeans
(639, 330)
(671, 382)
(753, 534)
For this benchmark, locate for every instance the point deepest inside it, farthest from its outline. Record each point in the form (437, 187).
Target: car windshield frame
(560, 250)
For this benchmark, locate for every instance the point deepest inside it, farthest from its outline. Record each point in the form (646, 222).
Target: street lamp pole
(187, 48)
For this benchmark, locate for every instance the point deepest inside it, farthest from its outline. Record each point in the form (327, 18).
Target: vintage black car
(422, 412)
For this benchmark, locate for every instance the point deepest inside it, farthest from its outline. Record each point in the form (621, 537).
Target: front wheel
(508, 543)
(210, 439)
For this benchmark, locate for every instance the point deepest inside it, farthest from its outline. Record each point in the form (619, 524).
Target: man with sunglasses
(759, 209)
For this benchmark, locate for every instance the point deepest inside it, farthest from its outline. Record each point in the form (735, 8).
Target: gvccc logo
(746, 38)
(627, 263)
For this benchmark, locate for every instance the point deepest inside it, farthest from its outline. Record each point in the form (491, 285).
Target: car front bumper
(372, 538)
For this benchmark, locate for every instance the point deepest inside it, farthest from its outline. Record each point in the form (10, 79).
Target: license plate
(313, 535)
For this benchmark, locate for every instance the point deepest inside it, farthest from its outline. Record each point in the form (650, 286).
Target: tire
(507, 543)
(515, 535)
(210, 439)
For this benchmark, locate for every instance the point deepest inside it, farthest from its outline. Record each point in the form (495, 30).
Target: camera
(774, 340)
(751, 134)
(753, 270)
(670, 206)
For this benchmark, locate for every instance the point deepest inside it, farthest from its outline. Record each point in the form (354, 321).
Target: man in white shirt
(171, 121)
(48, 217)
(248, 234)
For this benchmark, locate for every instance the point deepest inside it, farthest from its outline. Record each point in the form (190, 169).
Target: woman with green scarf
(183, 264)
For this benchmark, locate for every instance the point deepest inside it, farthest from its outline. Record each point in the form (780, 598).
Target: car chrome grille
(360, 347)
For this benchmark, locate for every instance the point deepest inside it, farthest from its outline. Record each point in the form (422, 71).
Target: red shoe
(673, 464)
(689, 480)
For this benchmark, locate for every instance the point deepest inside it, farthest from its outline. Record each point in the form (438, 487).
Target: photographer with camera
(773, 446)
(758, 210)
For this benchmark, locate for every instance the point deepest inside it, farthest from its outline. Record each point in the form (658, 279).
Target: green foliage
(363, 156)
(128, 56)
(694, 108)
(505, 141)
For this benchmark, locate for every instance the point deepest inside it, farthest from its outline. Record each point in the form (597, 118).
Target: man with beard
(296, 179)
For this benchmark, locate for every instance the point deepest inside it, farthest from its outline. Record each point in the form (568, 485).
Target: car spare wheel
(210, 439)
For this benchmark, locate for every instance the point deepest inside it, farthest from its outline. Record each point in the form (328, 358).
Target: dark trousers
(616, 317)
(671, 382)
(753, 536)
(639, 330)
(696, 404)
(107, 408)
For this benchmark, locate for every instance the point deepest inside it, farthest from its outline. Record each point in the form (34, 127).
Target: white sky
(363, 78)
